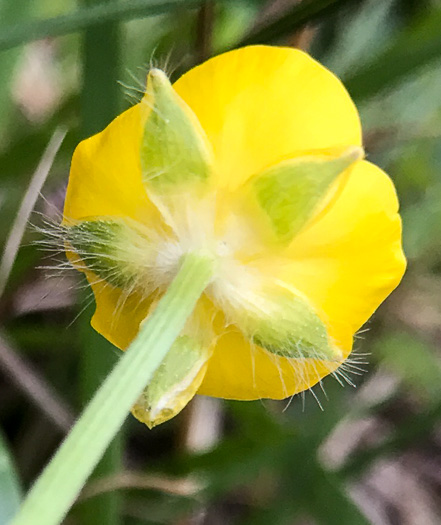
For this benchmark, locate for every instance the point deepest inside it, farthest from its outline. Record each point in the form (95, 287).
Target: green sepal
(175, 154)
(291, 192)
(174, 383)
(284, 323)
(110, 249)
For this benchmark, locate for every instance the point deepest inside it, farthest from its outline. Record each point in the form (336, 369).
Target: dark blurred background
(373, 455)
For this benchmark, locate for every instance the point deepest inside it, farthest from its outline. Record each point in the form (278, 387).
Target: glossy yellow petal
(236, 370)
(239, 370)
(346, 263)
(259, 105)
(105, 177)
(118, 314)
(350, 260)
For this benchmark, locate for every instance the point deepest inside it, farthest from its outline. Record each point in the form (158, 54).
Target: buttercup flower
(253, 158)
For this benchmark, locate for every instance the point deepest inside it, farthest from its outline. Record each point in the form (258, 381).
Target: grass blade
(88, 17)
(27, 205)
(10, 493)
(100, 103)
(33, 385)
(299, 15)
(413, 49)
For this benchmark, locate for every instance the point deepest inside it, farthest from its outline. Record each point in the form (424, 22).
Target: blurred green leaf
(413, 48)
(10, 493)
(11, 13)
(359, 36)
(232, 21)
(411, 431)
(422, 222)
(299, 15)
(323, 493)
(33, 139)
(414, 361)
(289, 452)
(87, 17)
(100, 104)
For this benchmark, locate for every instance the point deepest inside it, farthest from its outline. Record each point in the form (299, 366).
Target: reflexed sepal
(283, 322)
(113, 250)
(292, 192)
(175, 154)
(174, 383)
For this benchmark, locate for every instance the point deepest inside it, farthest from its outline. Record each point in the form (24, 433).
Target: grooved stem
(61, 481)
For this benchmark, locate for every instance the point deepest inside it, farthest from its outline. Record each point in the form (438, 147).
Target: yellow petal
(346, 263)
(235, 371)
(105, 176)
(239, 370)
(118, 317)
(350, 260)
(260, 105)
(118, 314)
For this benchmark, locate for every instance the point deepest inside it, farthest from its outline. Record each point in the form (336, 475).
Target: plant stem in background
(61, 481)
(101, 58)
(100, 105)
(78, 20)
(204, 32)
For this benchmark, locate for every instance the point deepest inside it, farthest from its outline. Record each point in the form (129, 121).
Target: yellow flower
(254, 156)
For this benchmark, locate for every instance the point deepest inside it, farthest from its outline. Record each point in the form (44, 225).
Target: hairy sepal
(112, 249)
(288, 195)
(175, 153)
(174, 383)
(282, 321)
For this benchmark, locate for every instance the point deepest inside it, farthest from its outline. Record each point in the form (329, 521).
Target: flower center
(267, 311)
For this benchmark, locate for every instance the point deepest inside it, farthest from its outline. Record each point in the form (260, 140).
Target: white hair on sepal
(353, 365)
(236, 290)
(346, 373)
(90, 250)
(54, 242)
(52, 239)
(135, 91)
(150, 255)
(360, 333)
(350, 369)
(132, 94)
(298, 366)
(164, 63)
(311, 391)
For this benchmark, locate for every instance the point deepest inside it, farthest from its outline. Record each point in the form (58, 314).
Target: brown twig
(276, 9)
(137, 480)
(204, 34)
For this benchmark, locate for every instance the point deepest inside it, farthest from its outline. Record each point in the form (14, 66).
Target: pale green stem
(61, 481)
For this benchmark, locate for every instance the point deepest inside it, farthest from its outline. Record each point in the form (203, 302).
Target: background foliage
(373, 455)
